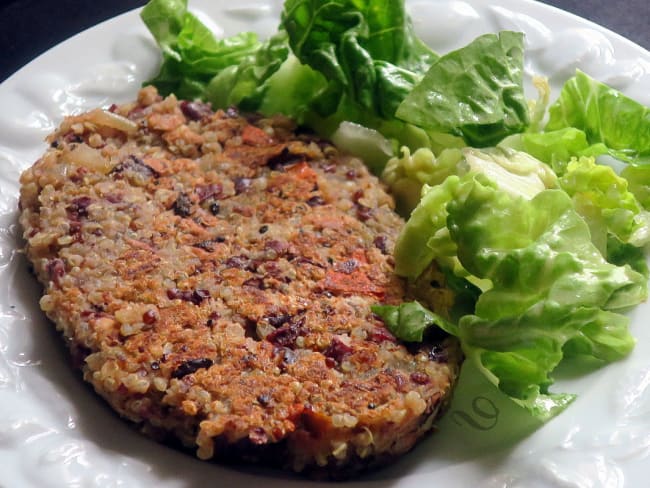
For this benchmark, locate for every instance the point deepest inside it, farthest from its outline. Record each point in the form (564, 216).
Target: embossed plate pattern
(54, 432)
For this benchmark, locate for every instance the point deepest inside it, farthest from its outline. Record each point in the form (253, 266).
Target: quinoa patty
(213, 276)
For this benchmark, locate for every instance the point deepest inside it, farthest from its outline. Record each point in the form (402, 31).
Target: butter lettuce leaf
(408, 173)
(557, 147)
(475, 92)
(547, 292)
(638, 177)
(550, 287)
(410, 320)
(606, 117)
(603, 199)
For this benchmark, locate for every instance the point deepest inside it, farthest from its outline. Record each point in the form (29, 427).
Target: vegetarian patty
(213, 275)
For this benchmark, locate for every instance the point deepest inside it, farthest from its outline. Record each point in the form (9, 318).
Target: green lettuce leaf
(366, 50)
(410, 320)
(407, 174)
(604, 201)
(621, 253)
(475, 92)
(371, 58)
(192, 56)
(638, 177)
(271, 81)
(605, 115)
(550, 286)
(547, 291)
(425, 238)
(556, 147)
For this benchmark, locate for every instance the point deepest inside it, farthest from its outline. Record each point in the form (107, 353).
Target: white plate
(55, 432)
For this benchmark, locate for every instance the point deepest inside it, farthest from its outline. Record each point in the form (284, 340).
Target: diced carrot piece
(303, 171)
(160, 166)
(255, 136)
(355, 282)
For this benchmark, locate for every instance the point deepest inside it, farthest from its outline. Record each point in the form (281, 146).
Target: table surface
(30, 27)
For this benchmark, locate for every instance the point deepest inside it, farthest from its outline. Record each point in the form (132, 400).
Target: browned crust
(214, 275)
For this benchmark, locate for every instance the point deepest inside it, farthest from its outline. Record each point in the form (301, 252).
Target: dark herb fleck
(278, 320)
(315, 201)
(285, 158)
(191, 366)
(264, 399)
(183, 205)
(381, 243)
(136, 165)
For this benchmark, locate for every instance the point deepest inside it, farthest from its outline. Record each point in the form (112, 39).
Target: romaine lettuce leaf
(192, 56)
(475, 92)
(366, 50)
(271, 81)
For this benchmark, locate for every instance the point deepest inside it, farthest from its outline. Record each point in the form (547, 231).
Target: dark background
(30, 27)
